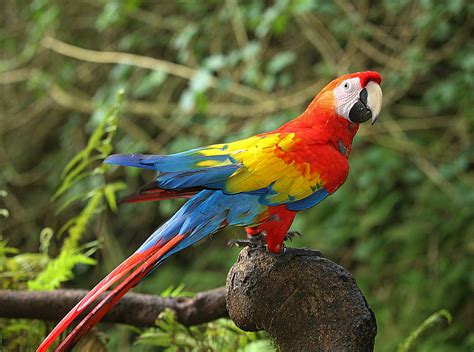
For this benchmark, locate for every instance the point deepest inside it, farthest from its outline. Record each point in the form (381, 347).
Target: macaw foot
(251, 241)
(292, 234)
(282, 252)
(278, 249)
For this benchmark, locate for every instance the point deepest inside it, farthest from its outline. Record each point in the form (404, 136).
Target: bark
(134, 308)
(304, 301)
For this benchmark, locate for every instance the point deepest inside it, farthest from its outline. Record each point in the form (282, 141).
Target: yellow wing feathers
(266, 163)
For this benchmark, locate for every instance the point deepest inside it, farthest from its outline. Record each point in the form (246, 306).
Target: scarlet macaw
(259, 183)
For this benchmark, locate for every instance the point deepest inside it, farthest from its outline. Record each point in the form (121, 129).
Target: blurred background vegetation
(200, 72)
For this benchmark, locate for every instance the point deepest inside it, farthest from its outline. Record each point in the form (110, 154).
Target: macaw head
(356, 97)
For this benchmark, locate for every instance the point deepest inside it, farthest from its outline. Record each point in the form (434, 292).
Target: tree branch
(115, 57)
(135, 308)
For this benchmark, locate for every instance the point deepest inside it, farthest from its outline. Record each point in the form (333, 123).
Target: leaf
(433, 320)
(109, 192)
(280, 61)
(149, 83)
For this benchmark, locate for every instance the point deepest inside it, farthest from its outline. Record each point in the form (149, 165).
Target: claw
(258, 239)
(245, 243)
(253, 241)
(239, 243)
(292, 234)
(282, 252)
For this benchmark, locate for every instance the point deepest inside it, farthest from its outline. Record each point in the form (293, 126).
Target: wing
(278, 166)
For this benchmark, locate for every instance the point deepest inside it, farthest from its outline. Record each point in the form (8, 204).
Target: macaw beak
(368, 105)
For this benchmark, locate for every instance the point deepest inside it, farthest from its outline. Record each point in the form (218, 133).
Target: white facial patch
(347, 94)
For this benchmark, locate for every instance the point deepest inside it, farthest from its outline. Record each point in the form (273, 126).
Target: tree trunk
(304, 301)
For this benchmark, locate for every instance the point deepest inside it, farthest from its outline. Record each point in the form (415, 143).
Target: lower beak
(368, 105)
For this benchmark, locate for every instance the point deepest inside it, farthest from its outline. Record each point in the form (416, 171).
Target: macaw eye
(346, 86)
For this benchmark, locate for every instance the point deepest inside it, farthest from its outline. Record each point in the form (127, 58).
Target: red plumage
(151, 192)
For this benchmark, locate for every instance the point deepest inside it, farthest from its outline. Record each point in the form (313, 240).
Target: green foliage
(72, 252)
(39, 271)
(436, 318)
(220, 335)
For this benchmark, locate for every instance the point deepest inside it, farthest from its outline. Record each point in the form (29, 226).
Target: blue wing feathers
(212, 177)
(203, 215)
(309, 201)
(179, 162)
(180, 171)
(134, 160)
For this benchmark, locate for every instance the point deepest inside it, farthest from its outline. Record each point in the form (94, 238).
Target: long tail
(198, 218)
(151, 192)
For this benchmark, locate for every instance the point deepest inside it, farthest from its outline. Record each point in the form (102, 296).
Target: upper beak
(374, 99)
(368, 105)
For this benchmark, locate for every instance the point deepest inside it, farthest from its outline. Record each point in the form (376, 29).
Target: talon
(258, 239)
(282, 252)
(239, 243)
(257, 236)
(292, 234)
(253, 243)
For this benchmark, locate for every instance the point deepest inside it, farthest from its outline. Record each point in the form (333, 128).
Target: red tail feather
(151, 192)
(145, 262)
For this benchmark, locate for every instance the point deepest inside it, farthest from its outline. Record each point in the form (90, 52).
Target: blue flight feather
(182, 162)
(309, 201)
(203, 215)
(134, 160)
(179, 162)
(205, 177)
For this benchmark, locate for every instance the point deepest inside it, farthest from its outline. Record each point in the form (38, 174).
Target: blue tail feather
(205, 214)
(135, 160)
